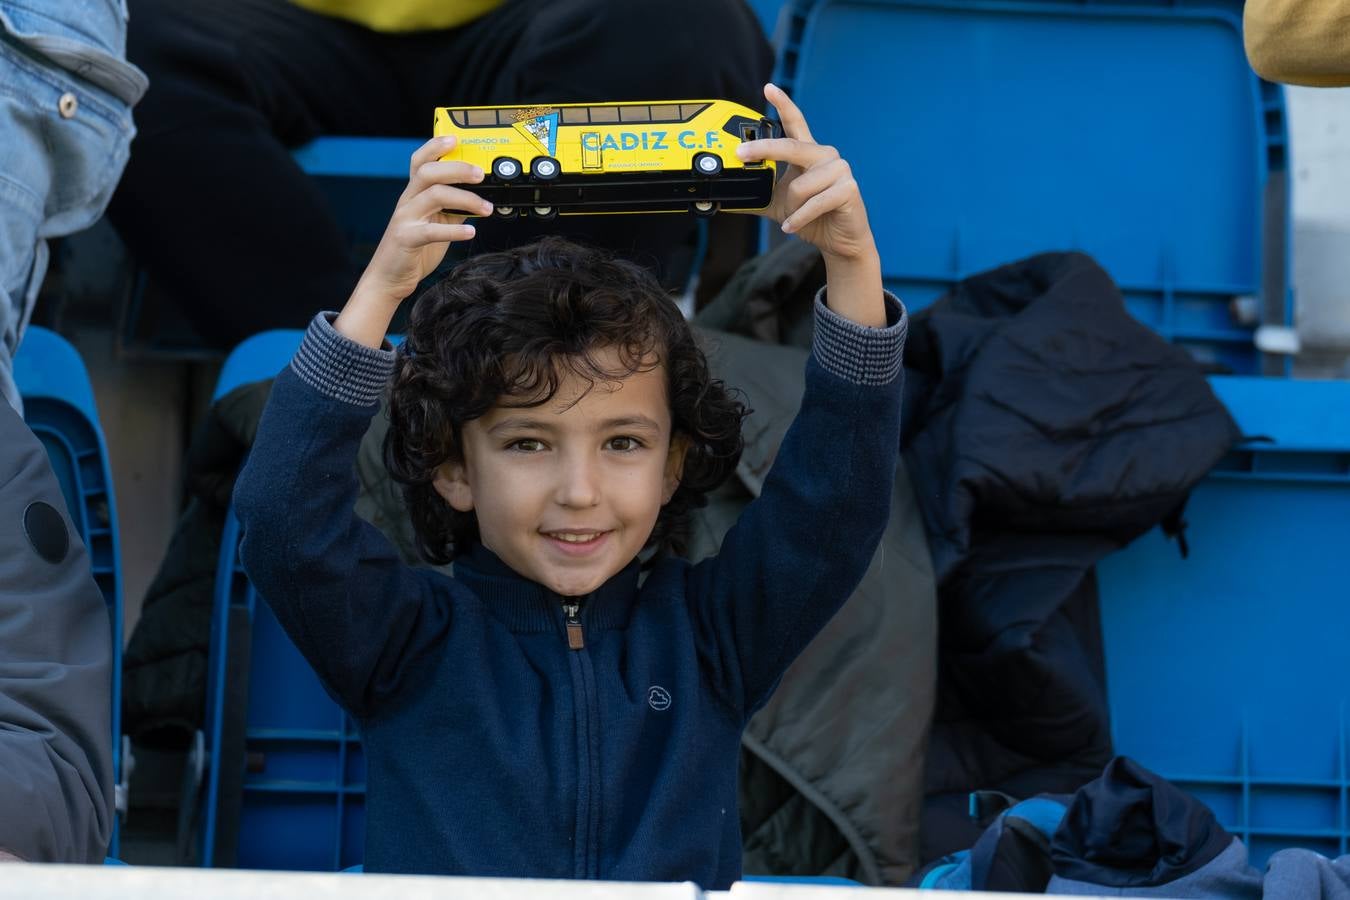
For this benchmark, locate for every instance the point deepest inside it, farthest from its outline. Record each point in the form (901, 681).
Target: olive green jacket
(832, 767)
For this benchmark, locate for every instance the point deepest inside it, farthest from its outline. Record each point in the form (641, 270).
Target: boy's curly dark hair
(505, 328)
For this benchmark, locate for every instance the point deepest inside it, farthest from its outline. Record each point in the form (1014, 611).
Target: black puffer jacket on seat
(1044, 428)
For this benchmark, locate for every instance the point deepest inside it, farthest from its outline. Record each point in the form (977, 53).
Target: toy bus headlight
(754, 131)
(751, 133)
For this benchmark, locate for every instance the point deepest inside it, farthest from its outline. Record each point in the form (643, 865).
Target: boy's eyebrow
(528, 423)
(633, 421)
(519, 423)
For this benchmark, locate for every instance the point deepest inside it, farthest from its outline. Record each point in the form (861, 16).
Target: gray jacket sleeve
(56, 779)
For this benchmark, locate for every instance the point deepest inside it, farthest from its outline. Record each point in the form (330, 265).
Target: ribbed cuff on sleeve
(856, 353)
(340, 368)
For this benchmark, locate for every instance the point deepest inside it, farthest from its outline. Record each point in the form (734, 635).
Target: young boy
(552, 710)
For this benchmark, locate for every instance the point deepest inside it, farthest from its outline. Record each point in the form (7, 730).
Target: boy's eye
(623, 444)
(526, 445)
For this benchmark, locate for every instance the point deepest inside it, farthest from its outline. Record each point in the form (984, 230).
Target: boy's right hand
(425, 222)
(414, 243)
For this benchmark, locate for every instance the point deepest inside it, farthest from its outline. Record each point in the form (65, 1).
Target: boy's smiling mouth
(576, 543)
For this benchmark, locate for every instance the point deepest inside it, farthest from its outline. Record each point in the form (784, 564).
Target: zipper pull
(576, 639)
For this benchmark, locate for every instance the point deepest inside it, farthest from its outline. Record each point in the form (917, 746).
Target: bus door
(590, 150)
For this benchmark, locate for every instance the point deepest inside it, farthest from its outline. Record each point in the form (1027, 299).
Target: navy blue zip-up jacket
(491, 747)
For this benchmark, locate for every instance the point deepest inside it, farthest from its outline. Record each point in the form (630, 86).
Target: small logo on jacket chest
(658, 698)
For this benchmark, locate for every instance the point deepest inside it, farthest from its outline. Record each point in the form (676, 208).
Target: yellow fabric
(403, 15)
(1299, 41)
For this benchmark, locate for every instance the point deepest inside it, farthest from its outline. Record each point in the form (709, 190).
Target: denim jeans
(66, 93)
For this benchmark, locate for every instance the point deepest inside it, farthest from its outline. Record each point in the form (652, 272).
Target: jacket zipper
(587, 859)
(576, 637)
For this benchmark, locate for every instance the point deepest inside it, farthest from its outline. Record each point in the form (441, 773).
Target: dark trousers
(215, 208)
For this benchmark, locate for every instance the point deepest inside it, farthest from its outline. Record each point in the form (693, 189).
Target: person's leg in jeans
(26, 168)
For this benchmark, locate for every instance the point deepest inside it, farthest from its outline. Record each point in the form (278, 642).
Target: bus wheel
(545, 168)
(545, 212)
(707, 164)
(506, 168)
(703, 208)
(504, 212)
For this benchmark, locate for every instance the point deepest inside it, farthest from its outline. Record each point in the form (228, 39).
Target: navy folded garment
(1133, 833)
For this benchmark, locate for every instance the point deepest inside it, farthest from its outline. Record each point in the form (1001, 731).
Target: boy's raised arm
(360, 616)
(799, 550)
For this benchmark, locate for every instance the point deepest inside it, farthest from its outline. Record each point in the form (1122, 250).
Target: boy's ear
(679, 448)
(452, 483)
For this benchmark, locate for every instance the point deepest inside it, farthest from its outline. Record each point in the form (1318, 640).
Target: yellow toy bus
(585, 158)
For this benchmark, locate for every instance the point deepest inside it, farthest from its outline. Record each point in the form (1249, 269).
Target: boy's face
(567, 493)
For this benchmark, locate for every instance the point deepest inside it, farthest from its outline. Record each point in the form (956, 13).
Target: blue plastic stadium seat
(1227, 671)
(769, 12)
(59, 408)
(302, 796)
(358, 157)
(259, 357)
(982, 132)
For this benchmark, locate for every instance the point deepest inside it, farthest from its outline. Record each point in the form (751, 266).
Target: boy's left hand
(816, 197)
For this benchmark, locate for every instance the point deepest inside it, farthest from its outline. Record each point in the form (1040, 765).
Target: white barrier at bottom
(769, 890)
(34, 881)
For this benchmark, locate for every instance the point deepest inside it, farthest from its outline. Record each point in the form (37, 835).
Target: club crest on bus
(543, 130)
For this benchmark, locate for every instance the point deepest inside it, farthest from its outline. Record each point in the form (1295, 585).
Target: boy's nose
(579, 485)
